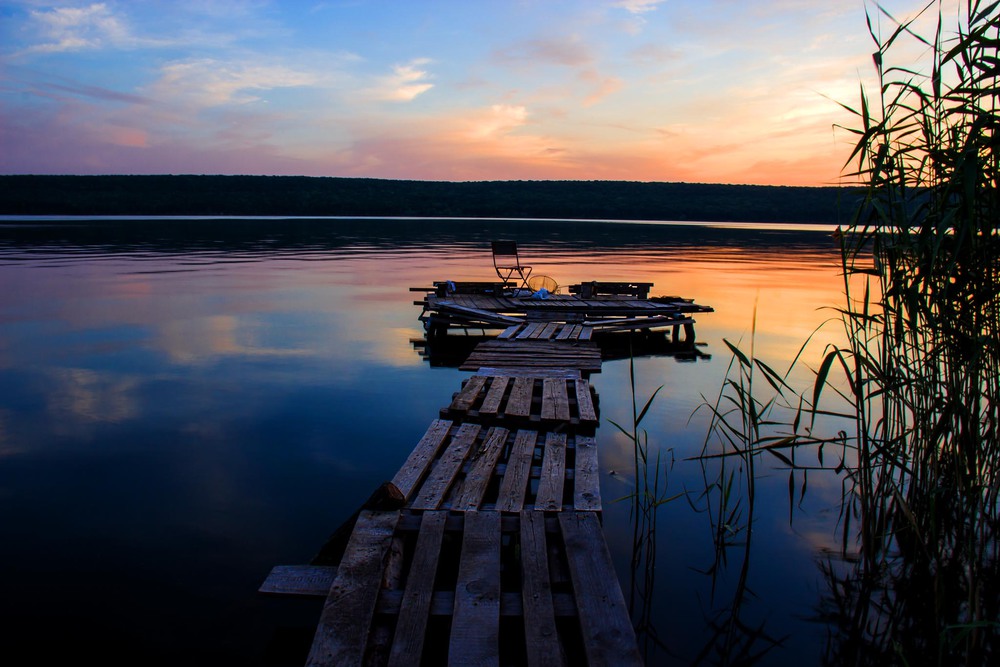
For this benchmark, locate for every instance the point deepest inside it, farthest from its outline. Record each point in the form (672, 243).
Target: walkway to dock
(487, 547)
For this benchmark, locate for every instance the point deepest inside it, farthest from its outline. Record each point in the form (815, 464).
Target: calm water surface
(184, 404)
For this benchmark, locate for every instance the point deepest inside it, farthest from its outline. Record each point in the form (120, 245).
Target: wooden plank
(514, 485)
(440, 479)
(414, 611)
(550, 485)
(535, 346)
(620, 322)
(548, 361)
(555, 401)
(565, 332)
(510, 332)
(343, 627)
(491, 404)
(304, 580)
(519, 402)
(475, 627)
(529, 330)
(415, 468)
(587, 476)
(584, 401)
(586, 333)
(643, 323)
(608, 637)
(548, 332)
(568, 373)
(538, 353)
(490, 354)
(584, 365)
(443, 603)
(554, 365)
(464, 399)
(481, 471)
(474, 314)
(541, 638)
(653, 325)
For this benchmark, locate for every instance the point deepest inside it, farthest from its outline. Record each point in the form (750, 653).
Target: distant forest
(322, 196)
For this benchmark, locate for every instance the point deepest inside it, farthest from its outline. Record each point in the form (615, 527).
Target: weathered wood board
(580, 355)
(524, 401)
(446, 605)
(496, 468)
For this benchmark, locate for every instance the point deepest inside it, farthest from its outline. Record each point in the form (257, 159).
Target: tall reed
(923, 353)
(649, 494)
(918, 374)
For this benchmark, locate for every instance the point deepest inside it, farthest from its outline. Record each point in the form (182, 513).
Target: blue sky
(734, 91)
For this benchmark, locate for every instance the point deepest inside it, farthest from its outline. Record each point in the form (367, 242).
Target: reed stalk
(916, 381)
(649, 494)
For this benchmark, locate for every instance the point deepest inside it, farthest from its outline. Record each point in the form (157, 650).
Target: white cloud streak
(211, 83)
(406, 83)
(638, 6)
(79, 28)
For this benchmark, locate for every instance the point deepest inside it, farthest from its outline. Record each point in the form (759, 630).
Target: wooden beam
(608, 637)
(342, 633)
(481, 471)
(299, 580)
(415, 468)
(475, 626)
(550, 484)
(555, 400)
(491, 404)
(514, 485)
(586, 480)
(541, 637)
(443, 474)
(415, 609)
(519, 403)
(584, 402)
(465, 398)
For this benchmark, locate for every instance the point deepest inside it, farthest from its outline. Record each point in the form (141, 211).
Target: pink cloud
(566, 51)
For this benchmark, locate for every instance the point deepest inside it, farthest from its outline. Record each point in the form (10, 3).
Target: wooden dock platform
(489, 549)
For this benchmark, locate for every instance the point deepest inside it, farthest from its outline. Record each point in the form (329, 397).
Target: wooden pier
(486, 547)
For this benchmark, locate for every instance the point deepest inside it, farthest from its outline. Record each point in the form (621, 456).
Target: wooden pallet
(525, 401)
(616, 325)
(546, 331)
(470, 466)
(559, 304)
(477, 588)
(581, 355)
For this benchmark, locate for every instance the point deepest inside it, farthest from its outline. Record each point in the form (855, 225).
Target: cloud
(498, 119)
(405, 84)
(637, 6)
(78, 28)
(654, 54)
(210, 83)
(95, 92)
(604, 86)
(566, 51)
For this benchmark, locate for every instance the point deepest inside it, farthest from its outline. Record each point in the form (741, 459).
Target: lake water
(186, 403)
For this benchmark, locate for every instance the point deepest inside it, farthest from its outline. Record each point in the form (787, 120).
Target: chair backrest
(505, 253)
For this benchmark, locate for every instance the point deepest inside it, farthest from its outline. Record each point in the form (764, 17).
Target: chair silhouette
(507, 263)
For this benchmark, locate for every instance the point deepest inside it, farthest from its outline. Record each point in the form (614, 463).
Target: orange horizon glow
(655, 91)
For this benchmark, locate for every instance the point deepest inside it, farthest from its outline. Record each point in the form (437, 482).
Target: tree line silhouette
(329, 196)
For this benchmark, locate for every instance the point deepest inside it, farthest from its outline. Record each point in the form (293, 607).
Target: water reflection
(185, 404)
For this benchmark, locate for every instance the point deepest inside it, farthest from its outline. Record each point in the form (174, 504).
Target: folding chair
(507, 263)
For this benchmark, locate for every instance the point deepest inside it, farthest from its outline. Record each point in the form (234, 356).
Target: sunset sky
(729, 91)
